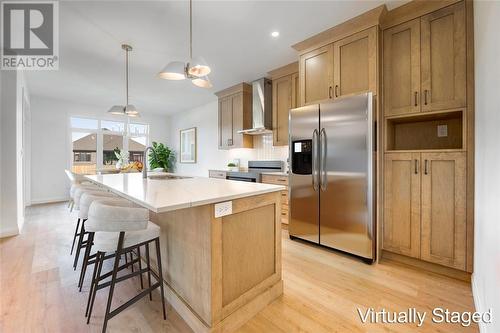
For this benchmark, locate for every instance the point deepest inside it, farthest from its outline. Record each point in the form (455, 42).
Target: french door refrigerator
(331, 175)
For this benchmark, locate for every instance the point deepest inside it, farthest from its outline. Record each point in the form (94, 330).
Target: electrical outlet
(223, 209)
(442, 131)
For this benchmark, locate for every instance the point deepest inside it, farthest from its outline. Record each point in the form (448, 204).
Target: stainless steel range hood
(262, 113)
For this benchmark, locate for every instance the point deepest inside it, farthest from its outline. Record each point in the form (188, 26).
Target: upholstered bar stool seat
(86, 199)
(80, 229)
(121, 227)
(82, 189)
(106, 241)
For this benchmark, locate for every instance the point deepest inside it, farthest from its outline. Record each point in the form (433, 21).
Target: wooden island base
(220, 272)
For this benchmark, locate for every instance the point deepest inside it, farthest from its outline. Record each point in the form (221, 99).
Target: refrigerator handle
(314, 171)
(322, 167)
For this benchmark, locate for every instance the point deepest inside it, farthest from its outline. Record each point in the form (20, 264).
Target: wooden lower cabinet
(424, 206)
(280, 180)
(401, 232)
(443, 210)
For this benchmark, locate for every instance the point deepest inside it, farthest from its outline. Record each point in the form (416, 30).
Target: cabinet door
(237, 108)
(402, 68)
(225, 122)
(355, 63)
(443, 209)
(295, 91)
(443, 58)
(282, 103)
(316, 75)
(401, 229)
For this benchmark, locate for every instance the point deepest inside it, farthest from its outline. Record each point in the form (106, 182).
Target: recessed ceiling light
(275, 34)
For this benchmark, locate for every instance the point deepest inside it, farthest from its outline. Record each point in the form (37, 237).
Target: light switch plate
(442, 131)
(223, 208)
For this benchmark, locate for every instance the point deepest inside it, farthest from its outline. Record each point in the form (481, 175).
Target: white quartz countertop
(162, 195)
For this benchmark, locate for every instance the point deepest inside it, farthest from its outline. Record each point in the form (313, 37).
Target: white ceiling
(232, 36)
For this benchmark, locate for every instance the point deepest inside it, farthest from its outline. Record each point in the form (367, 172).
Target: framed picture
(188, 145)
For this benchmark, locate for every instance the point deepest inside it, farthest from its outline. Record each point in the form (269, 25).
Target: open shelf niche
(433, 131)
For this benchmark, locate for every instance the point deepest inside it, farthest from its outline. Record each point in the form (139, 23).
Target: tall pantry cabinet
(428, 135)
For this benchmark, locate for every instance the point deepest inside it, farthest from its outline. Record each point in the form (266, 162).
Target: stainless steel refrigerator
(331, 175)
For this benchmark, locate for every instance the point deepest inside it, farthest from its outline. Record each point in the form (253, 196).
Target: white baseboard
(48, 200)
(9, 232)
(478, 303)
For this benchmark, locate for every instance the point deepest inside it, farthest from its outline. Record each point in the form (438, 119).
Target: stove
(255, 169)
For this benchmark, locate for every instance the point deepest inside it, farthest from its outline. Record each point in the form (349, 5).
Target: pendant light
(196, 69)
(127, 109)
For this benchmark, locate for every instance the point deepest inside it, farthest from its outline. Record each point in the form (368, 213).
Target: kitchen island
(220, 244)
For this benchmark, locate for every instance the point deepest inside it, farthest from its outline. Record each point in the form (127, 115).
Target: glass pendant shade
(198, 67)
(202, 82)
(175, 70)
(117, 109)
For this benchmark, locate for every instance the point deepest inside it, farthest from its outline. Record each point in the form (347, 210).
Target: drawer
(284, 197)
(277, 180)
(217, 174)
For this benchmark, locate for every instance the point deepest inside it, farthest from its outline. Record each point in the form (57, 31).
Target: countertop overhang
(163, 195)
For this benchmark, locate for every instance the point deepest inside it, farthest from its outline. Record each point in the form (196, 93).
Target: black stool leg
(160, 275)
(79, 245)
(149, 271)
(113, 280)
(92, 283)
(74, 237)
(85, 260)
(131, 259)
(140, 265)
(99, 263)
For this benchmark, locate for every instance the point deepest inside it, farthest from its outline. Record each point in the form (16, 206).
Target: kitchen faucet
(145, 164)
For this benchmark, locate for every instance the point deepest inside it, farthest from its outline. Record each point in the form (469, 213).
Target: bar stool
(80, 229)
(73, 189)
(85, 201)
(121, 227)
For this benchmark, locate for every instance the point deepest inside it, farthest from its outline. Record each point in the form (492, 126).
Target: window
(84, 146)
(95, 141)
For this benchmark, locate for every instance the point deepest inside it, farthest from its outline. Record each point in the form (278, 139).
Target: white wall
(486, 278)
(11, 197)
(51, 143)
(204, 118)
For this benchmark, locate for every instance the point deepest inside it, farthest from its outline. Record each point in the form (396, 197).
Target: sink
(165, 177)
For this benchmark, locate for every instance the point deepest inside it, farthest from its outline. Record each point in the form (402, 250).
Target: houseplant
(232, 167)
(122, 156)
(161, 157)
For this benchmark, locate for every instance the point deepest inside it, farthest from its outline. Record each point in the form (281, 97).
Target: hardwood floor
(322, 289)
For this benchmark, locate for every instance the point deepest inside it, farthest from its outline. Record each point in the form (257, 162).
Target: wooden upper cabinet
(355, 63)
(295, 91)
(282, 103)
(316, 75)
(443, 209)
(235, 112)
(443, 47)
(225, 122)
(401, 230)
(402, 68)
(285, 97)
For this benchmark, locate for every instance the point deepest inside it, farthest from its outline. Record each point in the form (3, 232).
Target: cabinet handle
(330, 92)
(416, 166)
(416, 98)
(425, 97)
(337, 90)
(425, 168)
